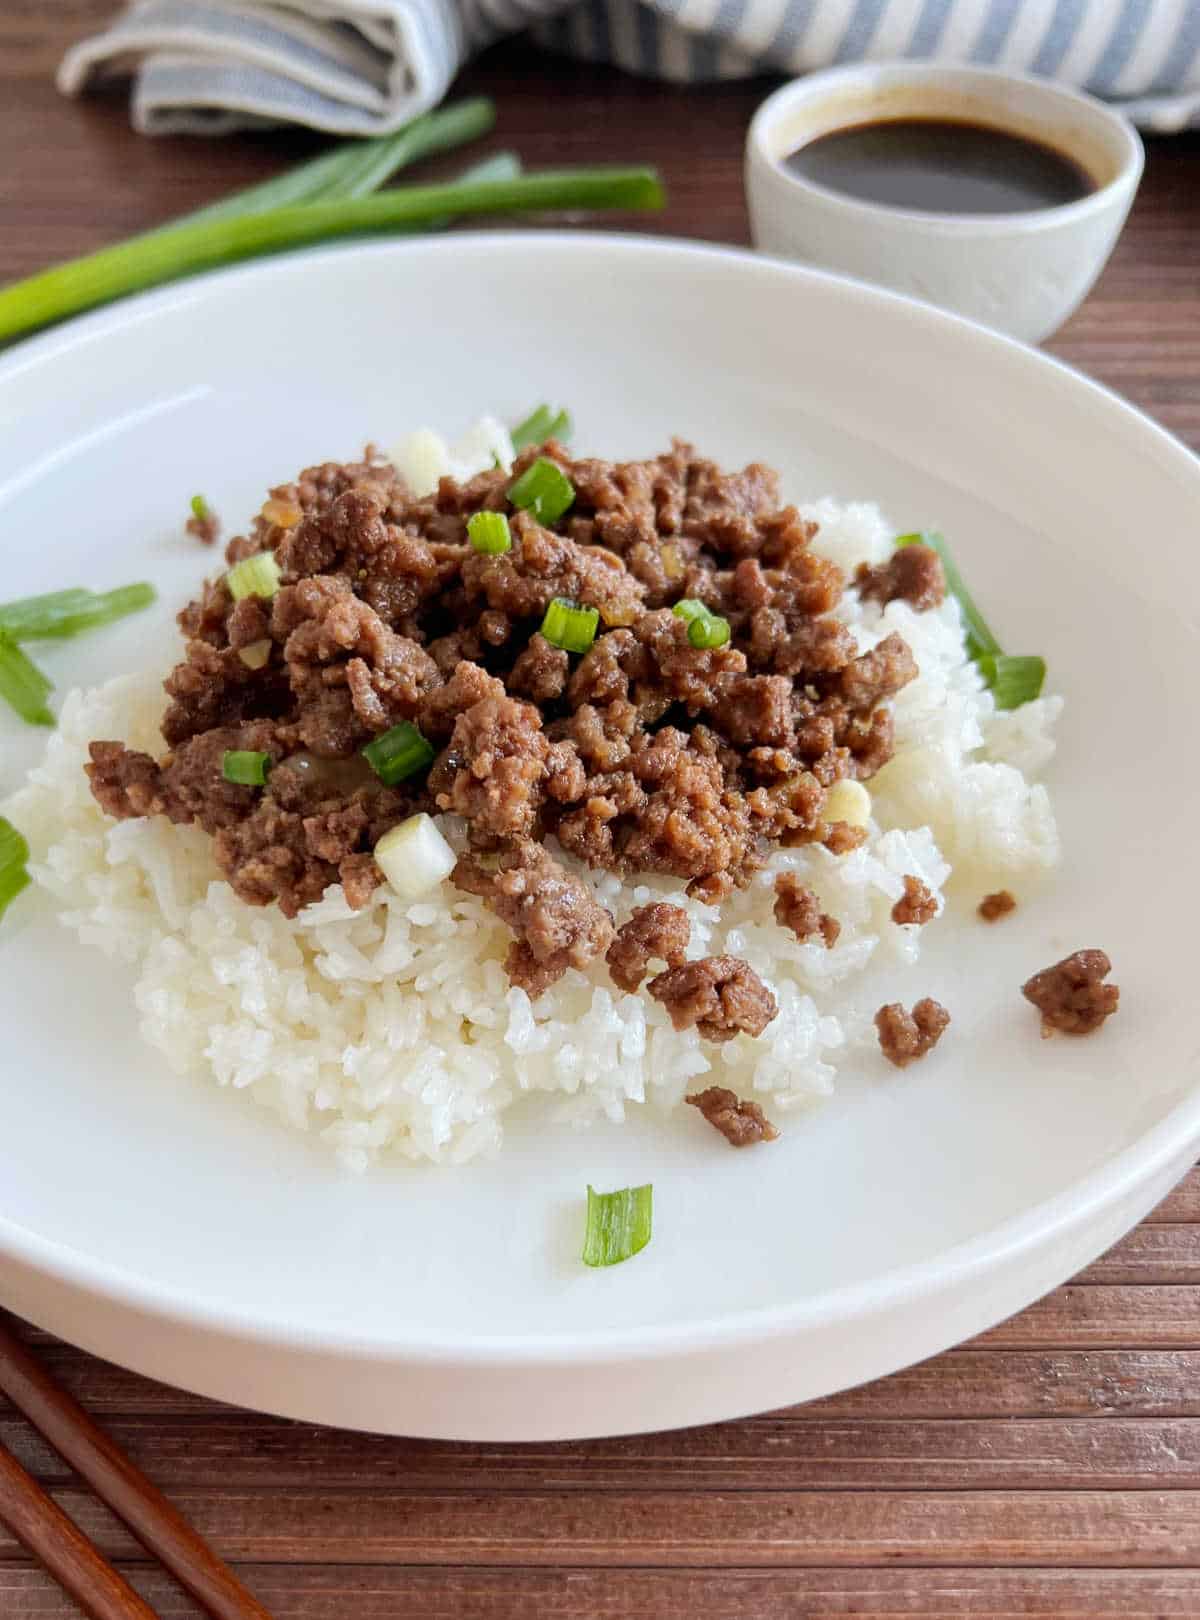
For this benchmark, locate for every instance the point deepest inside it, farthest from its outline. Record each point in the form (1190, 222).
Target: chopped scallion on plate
(14, 852)
(200, 508)
(245, 766)
(1012, 680)
(399, 754)
(59, 614)
(488, 533)
(257, 575)
(570, 626)
(543, 489)
(618, 1224)
(705, 628)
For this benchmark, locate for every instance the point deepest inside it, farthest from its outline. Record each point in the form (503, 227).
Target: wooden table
(1051, 1467)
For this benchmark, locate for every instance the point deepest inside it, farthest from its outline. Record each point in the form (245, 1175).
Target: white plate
(177, 1230)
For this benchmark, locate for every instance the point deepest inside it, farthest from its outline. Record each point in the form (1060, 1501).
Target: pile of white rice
(395, 1029)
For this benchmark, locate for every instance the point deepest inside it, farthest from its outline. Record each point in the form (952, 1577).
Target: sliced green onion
(570, 626)
(22, 684)
(618, 1224)
(488, 532)
(199, 507)
(59, 614)
(543, 489)
(980, 639)
(540, 425)
(11, 884)
(690, 608)
(711, 630)
(245, 766)
(1013, 680)
(398, 754)
(256, 575)
(183, 249)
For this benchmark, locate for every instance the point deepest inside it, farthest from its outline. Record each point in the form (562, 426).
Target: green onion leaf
(540, 425)
(256, 575)
(570, 626)
(11, 884)
(488, 532)
(59, 614)
(398, 754)
(689, 608)
(180, 250)
(618, 1224)
(1013, 680)
(351, 168)
(14, 850)
(22, 684)
(245, 766)
(710, 630)
(199, 507)
(980, 639)
(543, 489)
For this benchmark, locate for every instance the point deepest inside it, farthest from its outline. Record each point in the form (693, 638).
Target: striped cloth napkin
(362, 67)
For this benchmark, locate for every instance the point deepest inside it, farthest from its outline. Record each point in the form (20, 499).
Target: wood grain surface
(1049, 1468)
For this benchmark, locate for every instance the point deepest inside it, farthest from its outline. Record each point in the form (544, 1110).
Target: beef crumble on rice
(648, 753)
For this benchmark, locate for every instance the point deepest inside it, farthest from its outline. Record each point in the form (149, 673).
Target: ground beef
(799, 909)
(916, 904)
(904, 1037)
(721, 995)
(654, 932)
(994, 906)
(645, 754)
(1072, 996)
(843, 837)
(204, 525)
(557, 923)
(742, 1124)
(912, 574)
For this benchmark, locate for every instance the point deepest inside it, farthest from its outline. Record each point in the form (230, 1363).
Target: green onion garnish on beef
(59, 614)
(1012, 680)
(705, 628)
(618, 1224)
(256, 575)
(540, 425)
(543, 489)
(398, 754)
(245, 766)
(14, 852)
(22, 684)
(570, 626)
(488, 533)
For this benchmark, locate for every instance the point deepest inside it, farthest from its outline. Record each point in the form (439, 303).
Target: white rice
(395, 1028)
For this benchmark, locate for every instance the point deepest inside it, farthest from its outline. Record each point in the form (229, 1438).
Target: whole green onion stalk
(203, 245)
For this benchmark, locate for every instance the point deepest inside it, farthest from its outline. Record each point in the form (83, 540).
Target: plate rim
(1056, 1219)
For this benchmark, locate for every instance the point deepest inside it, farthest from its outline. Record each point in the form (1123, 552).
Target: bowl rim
(1115, 127)
(1102, 1190)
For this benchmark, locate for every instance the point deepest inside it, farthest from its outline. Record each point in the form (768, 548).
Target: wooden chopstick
(160, 1528)
(57, 1542)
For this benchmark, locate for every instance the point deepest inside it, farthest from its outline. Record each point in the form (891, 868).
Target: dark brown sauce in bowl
(941, 166)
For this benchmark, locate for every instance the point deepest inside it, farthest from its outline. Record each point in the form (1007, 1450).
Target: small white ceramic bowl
(1022, 273)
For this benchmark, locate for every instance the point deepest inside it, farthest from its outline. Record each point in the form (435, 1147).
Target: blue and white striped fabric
(361, 67)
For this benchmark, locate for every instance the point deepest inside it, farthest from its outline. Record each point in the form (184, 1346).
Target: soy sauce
(941, 166)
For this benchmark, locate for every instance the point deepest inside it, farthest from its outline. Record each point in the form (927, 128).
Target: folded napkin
(362, 67)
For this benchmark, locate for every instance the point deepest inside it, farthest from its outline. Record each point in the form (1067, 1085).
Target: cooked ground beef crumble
(904, 1037)
(647, 754)
(1072, 996)
(994, 906)
(742, 1124)
(916, 905)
